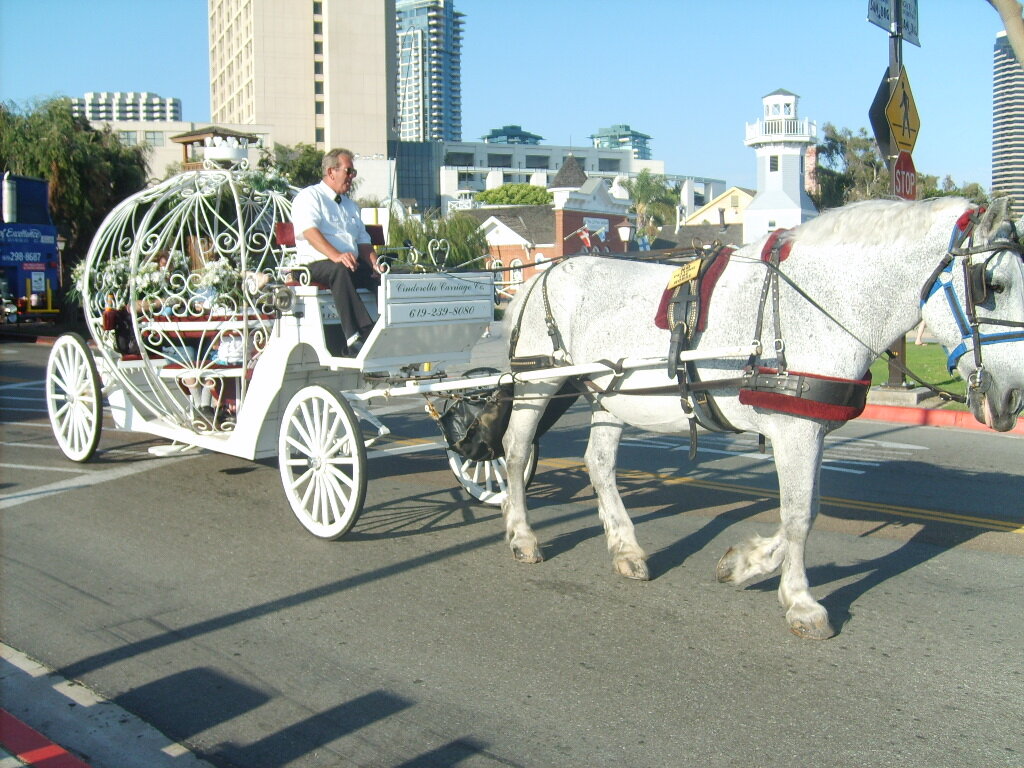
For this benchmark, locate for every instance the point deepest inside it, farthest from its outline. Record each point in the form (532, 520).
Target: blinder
(978, 282)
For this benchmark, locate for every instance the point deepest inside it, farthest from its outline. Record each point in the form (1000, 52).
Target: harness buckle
(980, 380)
(780, 345)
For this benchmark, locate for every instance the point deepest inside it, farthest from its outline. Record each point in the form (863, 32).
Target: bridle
(977, 290)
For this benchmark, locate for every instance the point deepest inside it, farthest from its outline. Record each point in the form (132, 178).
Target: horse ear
(994, 215)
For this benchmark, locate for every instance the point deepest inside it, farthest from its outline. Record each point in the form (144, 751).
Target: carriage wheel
(323, 462)
(487, 481)
(73, 397)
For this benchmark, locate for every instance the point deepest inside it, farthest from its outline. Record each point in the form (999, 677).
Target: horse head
(975, 306)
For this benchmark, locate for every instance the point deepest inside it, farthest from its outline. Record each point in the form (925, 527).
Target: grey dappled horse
(873, 268)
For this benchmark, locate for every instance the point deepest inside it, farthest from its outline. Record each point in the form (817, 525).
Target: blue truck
(30, 259)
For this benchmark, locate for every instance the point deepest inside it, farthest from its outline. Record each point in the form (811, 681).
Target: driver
(332, 243)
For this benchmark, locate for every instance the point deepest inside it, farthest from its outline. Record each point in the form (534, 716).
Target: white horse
(855, 281)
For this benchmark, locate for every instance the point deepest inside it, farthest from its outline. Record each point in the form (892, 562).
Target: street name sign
(880, 13)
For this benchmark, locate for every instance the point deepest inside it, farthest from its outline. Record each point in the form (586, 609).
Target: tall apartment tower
(1007, 123)
(429, 34)
(780, 140)
(318, 72)
(125, 105)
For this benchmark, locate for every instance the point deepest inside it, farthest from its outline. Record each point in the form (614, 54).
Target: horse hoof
(632, 568)
(527, 556)
(812, 630)
(726, 566)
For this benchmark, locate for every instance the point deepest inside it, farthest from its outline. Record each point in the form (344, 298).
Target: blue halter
(967, 320)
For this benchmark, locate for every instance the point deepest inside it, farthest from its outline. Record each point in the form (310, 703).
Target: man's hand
(319, 242)
(349, 259)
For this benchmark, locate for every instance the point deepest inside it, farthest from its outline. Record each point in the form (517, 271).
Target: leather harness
(775, 388)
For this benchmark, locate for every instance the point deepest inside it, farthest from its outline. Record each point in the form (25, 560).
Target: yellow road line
(916, 513)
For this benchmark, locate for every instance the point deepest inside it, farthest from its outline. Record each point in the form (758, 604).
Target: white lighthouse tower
(780, 140)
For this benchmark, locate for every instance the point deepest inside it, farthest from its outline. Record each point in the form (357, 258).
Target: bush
(515, 194)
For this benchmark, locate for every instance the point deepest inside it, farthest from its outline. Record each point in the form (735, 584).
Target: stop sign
(904, 177)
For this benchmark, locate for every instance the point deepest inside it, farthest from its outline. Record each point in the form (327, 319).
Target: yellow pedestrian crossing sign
(901, 112)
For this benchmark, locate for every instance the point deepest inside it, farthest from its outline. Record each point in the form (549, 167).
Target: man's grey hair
(331, 159)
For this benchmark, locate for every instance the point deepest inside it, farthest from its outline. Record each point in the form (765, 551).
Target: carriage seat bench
(284, 234)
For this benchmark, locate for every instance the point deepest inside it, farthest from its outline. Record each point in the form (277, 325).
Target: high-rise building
(320, 72)
(1007, 122)
(125, 105)
(511, 134)
(624, 137)
(429, 40)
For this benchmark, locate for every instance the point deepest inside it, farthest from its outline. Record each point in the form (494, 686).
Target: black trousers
(343, 284)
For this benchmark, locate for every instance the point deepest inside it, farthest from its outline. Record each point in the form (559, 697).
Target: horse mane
(878, 222)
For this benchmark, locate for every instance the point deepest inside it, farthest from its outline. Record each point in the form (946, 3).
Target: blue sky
(690, 74)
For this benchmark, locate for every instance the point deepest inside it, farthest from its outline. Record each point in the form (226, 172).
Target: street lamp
(61, 243)
(625, 230)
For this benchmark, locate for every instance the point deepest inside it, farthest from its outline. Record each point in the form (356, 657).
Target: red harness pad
(772, 241)
(707, 285)
(848, 398)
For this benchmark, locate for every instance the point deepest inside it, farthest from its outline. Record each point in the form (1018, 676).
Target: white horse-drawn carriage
(198, 339)
(202, 335)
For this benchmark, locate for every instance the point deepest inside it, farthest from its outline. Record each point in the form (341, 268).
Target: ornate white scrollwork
(175, 279)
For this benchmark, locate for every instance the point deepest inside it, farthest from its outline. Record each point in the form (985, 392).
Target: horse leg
(601, 456)
(522, 426)
(798, 450)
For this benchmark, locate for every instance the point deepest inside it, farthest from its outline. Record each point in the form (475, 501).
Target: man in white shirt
(332, 243)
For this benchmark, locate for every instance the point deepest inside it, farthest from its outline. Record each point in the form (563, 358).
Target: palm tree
(654, 201)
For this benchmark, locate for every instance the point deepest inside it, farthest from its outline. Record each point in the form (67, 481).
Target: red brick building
(585, 216)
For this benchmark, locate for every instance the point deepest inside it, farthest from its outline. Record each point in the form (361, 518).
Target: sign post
(897, 133)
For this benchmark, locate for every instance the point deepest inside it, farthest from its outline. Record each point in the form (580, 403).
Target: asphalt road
(183, 590)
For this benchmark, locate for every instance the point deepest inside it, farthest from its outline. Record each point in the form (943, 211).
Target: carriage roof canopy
(200, 135)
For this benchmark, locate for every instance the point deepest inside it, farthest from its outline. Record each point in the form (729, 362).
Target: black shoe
(334, 340)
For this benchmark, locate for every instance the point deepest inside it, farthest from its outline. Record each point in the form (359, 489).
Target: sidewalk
(490, 352)
(49, 722)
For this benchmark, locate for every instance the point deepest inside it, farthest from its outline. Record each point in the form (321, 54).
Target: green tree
(89, 170)
(929, 187)
(466, 239)
(654, 200)
(301, 164)
(515, 194)
(850, 168)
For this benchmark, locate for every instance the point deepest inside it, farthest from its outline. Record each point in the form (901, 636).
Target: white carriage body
(193, 270)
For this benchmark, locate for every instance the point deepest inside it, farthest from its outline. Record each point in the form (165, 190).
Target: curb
(930, 417)
(897, 414)
(93, 730)
(31, 747)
